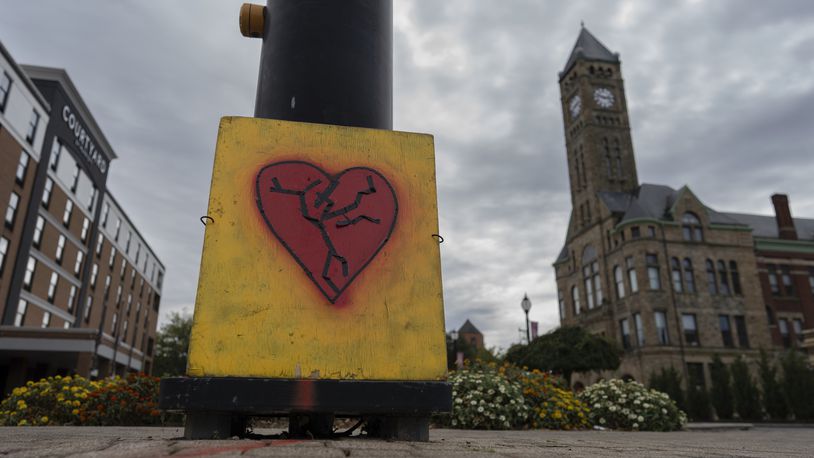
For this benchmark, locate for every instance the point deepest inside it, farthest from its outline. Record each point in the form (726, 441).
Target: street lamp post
(526, 304)
(454, 336)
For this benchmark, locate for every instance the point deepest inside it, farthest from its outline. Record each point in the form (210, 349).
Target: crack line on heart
(327, 214)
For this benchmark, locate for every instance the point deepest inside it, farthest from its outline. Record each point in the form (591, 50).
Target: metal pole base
(210, 425)
(414, 429)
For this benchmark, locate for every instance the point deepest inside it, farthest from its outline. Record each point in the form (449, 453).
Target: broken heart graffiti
(333, 225)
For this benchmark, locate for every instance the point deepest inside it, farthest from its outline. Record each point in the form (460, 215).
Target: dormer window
(691, 227)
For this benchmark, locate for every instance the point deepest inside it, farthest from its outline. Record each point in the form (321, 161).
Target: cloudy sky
(721, 97)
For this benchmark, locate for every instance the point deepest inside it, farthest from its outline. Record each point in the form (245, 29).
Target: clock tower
(597, 128)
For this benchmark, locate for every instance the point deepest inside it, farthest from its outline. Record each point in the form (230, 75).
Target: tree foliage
(744, 391)
(798, 380)
(721, 391)
(172, 346)
(567, 350)
(668, 381)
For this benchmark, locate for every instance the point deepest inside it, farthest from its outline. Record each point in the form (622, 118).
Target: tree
(744, 391)
(773, 400)
(697, 403)
(669, 381)
(797, 381)
(567, 350)
(172, 346)
(721, 391)
(470, 352)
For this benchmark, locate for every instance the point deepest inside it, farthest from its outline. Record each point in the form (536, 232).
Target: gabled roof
(588, 47)
(766, 226)
(468, 328)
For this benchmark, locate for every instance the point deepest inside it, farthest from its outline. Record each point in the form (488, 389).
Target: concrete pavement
(156, 442)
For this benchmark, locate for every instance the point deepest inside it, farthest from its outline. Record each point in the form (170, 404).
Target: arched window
(619, 278)
(575, 299)
(561, 299)
(712, 283)
(590, 276)
(736, 278)
(675, 267)
(689, 278)
(724, 281)
(691, 227)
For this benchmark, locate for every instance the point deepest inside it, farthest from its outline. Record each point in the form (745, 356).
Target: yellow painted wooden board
(367, 315)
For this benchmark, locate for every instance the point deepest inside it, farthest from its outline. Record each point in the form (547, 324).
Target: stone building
(79, 286)
(470, 334)
(670, 279)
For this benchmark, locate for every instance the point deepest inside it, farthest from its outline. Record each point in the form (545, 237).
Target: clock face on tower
(575, 105)
(603, 97)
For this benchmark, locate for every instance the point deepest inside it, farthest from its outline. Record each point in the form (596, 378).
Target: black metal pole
(327, 62)
(528, 335)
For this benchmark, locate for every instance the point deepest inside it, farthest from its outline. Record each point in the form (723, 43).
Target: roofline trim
(26, 80)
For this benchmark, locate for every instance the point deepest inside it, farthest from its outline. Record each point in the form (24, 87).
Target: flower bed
(629, 405)
(552, 407)
(74, 400)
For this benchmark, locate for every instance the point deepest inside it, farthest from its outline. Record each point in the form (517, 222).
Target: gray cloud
(720, 96)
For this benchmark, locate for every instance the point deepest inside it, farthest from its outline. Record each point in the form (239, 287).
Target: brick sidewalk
(155, 442)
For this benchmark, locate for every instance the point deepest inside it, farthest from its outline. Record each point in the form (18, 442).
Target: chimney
(785, 225)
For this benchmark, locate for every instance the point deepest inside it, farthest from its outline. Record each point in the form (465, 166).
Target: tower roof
(589, 48)
(468, 328)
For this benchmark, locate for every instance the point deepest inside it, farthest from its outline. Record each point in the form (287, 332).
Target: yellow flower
(22, 422)
(44, 420)
(557, 415)
(76, 403)
(542, 414)
(75, 411)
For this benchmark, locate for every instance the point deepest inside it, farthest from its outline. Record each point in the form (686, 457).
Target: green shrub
(629, 405)
(668, 381)
(721, 391)
(744, 391)
(797, 383)
(773, 400)
(698, 406)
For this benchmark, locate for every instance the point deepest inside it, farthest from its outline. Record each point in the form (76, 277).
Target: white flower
(635, 426)
(641, 418)
(502, 418)
(664, 411)
(602, 421)
(458, 400)
(480, 408)
(473, 402)
(454, 422)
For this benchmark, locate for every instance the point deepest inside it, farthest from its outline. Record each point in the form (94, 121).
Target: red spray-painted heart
(333, 226)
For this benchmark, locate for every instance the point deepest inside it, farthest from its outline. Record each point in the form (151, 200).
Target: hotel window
(138, 253)
(38, 228)
(93, 274)
(30, 267)
(624, 326)
(129, 304)
(3, 253)
(71, 298)
(52, 286)
(113, 323)
(724, 280)
(105, 212)
(118, 229)
(92, 199)
(619, 279)
(797, 325)
(99, 241)
(85, 229)
(133, 280)
(637, 322)
(11, 210)
(112, 257)
(788, 285)
(46, 193)
(736, 278)
(560, 298)
(689, 276)
(22, 168)
(653, 275)
(675, 267)
(635, 232)
(66, 217)
(661, 327)
(88, 306)
(690, 326)
(811, 279)
(121, 272)
(32, 127)
(574, 297)
(124, 330)
(631, 274)
(743, 336)
(5, 89)
(19, 318)
(726, 330)
(60, 248)
(783, 327)
(774, 286)
(77, 266)
(75, 179)
(56, 151)
(107, 286)
(46, 319)
(129, 238)
(118, 295)
(691, 227)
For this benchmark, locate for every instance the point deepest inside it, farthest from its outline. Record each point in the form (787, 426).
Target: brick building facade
(651, 267)
(79, 286)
